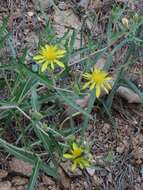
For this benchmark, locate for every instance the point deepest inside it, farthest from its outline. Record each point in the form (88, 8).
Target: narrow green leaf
(43, 79)
(26, 156)
(134, 88)
(9, 66)
(34, 175)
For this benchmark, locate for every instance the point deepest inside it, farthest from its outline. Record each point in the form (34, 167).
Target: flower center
(50, 54)
(77, 152)
(98, 78)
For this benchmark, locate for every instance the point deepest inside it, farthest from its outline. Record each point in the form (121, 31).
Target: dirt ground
(118, 152)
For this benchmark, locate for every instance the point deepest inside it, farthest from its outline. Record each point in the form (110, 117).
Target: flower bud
(136, 17)
(125, 22)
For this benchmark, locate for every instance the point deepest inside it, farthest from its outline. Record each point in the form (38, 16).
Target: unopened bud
(125, 22)
(136, 17)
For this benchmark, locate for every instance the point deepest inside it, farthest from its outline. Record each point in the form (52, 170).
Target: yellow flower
(77, 157)
(49, 55)
(98, 79)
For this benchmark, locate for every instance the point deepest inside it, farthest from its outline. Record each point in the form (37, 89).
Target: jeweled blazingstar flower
(98, 79)
(76, 155)
(49, 56)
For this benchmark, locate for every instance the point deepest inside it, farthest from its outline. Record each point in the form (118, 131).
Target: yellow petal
(40, 61)
(59, 63)
(92, 86)
(75, 146)
(68, 156)
(61, 52)
(87, 76)
(59, 56)
(46, 46)
(87, 84)
(98, 91)
(108, 85)
(74, 165)
(106, 90)
(108, 78)
(37, 57)
(44, 66)
(81, 165)
(52, 66)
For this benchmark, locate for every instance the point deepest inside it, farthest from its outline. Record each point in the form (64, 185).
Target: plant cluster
(38, 91)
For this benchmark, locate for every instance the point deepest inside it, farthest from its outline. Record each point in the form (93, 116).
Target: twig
(90, 55)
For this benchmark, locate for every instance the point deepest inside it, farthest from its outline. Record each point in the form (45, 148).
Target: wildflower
(98, 79)
(125, 22)
(77, 156)
(49, 55)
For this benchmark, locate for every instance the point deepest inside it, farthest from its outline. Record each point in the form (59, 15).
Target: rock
(90, 171)
(128, 94)
(3, 173)
(67, 18)
(84, 3)
(5, 185)
(20, 167)
(64, 20)
(16, 181)
(47, 180)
